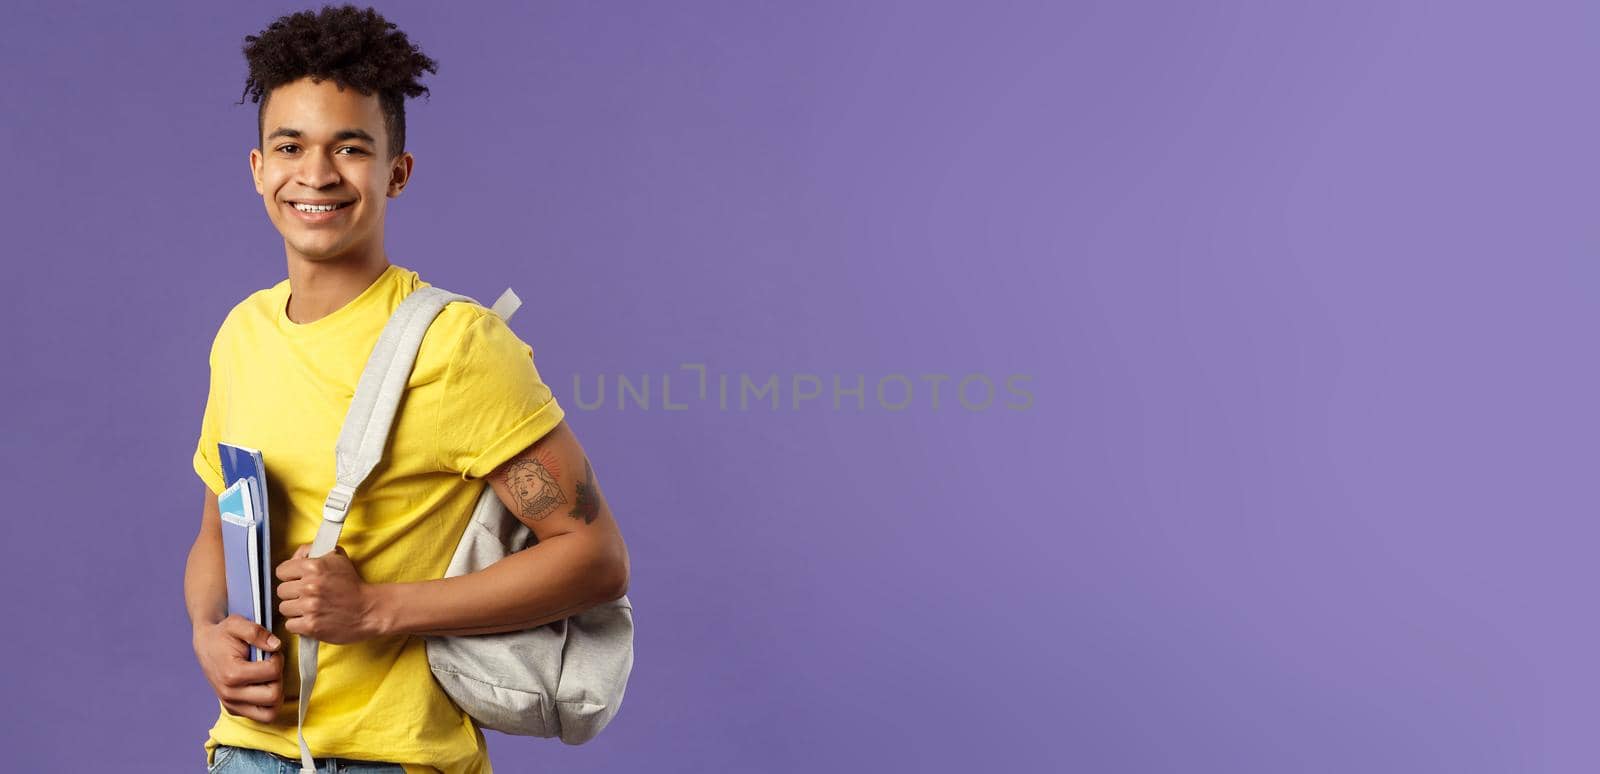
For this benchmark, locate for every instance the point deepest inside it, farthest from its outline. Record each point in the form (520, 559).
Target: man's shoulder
(253, 309)
(259, 302)
(448, 330)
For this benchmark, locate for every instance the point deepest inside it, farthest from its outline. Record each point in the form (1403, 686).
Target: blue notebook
(239, 553)
(242, 465)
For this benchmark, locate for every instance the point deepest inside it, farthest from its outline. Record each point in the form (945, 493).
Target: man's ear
(255, 170)
(400, 173)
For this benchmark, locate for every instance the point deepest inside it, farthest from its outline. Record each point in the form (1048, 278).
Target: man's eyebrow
(342, 134)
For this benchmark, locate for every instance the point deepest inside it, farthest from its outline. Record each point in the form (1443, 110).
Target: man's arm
(251, 689)
(580, 560)
(205, 583)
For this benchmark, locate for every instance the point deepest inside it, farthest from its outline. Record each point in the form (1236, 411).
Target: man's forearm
(554, 579)
(205, 584)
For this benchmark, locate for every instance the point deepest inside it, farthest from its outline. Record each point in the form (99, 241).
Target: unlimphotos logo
(699, 387)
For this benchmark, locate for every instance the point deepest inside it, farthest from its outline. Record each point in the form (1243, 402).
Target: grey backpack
(564, 679)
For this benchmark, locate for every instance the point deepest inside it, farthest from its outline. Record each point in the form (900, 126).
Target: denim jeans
(243, 760)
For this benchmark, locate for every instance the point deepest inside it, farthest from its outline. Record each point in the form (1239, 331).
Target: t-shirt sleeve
(207, 462)
(493, 404)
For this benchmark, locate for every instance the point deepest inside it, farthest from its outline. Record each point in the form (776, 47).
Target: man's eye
(289, 148)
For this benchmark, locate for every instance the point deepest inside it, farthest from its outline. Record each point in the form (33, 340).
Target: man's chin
(321, 253)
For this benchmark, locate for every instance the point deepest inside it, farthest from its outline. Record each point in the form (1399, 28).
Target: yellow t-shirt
(474, 401)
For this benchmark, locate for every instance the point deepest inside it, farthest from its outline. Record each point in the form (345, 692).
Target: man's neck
(318, 289)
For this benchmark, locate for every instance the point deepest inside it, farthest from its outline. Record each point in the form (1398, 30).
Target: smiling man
(284, 364)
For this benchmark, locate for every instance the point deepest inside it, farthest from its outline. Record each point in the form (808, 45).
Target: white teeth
(315, 207)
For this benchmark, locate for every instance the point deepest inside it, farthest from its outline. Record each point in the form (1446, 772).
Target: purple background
(1306, 294)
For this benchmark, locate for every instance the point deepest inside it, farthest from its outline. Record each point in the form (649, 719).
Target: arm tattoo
(588, 505)
(532, 481)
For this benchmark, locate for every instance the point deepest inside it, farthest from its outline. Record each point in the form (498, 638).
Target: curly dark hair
(355, 47)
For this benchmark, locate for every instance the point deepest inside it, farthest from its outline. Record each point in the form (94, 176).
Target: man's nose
(318, 171)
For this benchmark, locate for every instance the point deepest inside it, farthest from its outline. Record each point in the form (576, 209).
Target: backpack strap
(364, 435)
(506, 305)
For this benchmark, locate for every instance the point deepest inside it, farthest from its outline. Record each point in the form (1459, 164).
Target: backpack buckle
(338, 503)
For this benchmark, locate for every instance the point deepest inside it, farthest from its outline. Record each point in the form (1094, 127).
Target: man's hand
(251, 689)
(324, 598)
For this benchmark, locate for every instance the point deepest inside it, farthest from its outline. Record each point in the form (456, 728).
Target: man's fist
(324, 598)
(251, 689)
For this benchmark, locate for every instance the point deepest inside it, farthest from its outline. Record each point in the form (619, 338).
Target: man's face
(323, 145)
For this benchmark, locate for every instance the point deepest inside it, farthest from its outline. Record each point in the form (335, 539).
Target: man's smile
(319, 211)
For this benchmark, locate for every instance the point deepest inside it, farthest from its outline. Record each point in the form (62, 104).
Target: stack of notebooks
(246, 536)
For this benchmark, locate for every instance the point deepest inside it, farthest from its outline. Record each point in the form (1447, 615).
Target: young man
(284, 366)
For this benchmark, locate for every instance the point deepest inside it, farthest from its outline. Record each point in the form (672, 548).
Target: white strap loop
(506, 305)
